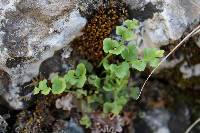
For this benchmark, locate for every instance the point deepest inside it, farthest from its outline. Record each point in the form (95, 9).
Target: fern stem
(104, 59)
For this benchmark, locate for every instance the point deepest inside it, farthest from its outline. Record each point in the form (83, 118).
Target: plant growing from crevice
(110, 89)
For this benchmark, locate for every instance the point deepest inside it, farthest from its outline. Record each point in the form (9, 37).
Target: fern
(111, 88)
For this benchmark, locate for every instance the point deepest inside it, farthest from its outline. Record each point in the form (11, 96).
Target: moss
(190, 53)
(39, 119)
(100, 26)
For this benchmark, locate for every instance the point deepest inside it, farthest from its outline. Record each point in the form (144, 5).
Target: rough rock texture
(30, 32)
(163, 24)
(3, 125)
(164, 20)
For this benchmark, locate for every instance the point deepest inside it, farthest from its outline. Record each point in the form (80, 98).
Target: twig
(191, 126)
(194, 3)
(194, 32)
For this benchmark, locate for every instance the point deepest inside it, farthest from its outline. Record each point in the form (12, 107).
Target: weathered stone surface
(163, 22)
(169, 19)
(30, 32)
(3, 125)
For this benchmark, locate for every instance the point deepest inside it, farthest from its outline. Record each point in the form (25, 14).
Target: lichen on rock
(31, 31)
(169, 19)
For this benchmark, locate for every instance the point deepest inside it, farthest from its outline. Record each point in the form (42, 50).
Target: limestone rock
(169, 19)
(30, 32)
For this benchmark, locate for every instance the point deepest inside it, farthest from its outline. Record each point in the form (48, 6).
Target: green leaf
(117, 50)
(121, 30)
(70, 77)
(107, 45)
(122, 100)
(78, 77)
(126, 34)
(121, 70)
(85, 121)
(130, 53)
(68, 86)
(93, 99)
(135, 91)
(151, 56)
(131, 24)
(88, 65)
(94, 80)
(138, 65)
(106, 65)
(160, 53)
(150, 53)
(154, 62)
(107, 107)
(81, 81)
(58, 85)
(116, 109)
(108, 86)
(80, 93)
(112, 46)
(45, 90)
(80, 70)
(36, 90)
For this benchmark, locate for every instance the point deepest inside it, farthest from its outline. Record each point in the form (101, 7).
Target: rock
(3, 125)
(157, 119)
(190, 71)
(30, 32)
(67, 127)
(197, 40)
(169, 19)
(180, 119)
(65, 102)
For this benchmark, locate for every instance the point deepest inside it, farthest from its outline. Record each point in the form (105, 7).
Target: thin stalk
(194, 124)
(104, 59)
(192, 33)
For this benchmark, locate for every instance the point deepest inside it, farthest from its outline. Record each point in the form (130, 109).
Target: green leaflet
(109, 85)
(130, 53)
(116, 106)
(58, 85)
(88, 65)
(94, 80)
(70, 77)
(151, 56)
(45, 90)
(126, 34)
(80, 70)
(112, 46)
(135, 91)
(80, 93)
(77, 77)
(131, 24)
(139, 65)
(120, 70)
(85, 120)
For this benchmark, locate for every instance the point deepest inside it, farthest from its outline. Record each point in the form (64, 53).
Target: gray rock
(169, 22)
(190, 71)
(30, 32)
(180, 119)
(3, 125)
(68, 127)
(157, 119)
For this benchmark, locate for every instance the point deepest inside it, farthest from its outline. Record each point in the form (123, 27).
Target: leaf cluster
(109, 90)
